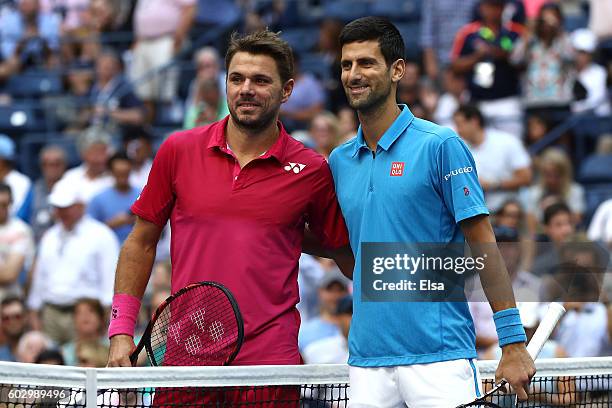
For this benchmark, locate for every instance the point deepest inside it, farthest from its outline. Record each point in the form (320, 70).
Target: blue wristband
(509, 327)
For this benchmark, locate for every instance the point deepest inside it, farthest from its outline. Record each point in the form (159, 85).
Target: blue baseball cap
(7, 148)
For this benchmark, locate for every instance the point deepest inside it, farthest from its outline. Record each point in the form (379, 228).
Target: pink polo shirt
(244, 227)
(156, 18)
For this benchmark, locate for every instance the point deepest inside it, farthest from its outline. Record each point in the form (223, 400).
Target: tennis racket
(200, 325)
(546, 327)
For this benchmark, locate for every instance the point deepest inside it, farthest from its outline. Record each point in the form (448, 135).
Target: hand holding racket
(546, 327)
(200, 325)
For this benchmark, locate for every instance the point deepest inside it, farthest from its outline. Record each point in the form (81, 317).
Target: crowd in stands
(90, 88)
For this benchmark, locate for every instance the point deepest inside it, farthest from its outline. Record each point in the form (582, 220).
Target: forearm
(9, 271)
(493, 276)
(463, 65)
(519, 179)
(134, 267)
(186, 22)
(133, 116)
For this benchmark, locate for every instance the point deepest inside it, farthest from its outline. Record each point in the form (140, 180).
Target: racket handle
(546, 327)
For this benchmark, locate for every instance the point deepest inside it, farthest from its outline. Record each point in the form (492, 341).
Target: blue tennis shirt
(417, 187)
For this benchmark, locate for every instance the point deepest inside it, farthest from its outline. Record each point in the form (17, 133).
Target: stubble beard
(372, 102)
(256, 124)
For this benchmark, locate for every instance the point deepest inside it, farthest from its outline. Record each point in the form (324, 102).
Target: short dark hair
(389, 38)
(51, 354)
(94, 304)
(118, 156)
(554, 209)
(470, 112)
(5, 188)
(12, 299)
(263, 43)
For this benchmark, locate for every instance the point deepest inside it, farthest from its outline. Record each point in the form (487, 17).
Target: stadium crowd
(90, 88)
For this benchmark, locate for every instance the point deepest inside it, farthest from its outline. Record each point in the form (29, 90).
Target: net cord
(105, 378)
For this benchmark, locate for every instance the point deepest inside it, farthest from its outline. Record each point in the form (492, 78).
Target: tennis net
(559, 382)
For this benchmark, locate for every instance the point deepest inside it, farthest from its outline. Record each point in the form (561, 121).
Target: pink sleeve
(157, 198)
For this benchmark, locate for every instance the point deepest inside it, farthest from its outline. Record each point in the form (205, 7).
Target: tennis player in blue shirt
(406, 180)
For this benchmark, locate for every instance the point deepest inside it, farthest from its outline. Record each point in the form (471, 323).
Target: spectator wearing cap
(112, 205)
(14, 318)
(16, 246)
(92, 176)
(503, 164)
(76, 258)
(590, 90)
(481, 52)
(37, 211)
(525, 286)
(19, 183)
(318, 331)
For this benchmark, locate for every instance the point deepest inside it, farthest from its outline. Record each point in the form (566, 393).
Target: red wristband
(124, 314)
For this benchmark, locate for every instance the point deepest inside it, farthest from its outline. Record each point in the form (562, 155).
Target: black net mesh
(560, 391)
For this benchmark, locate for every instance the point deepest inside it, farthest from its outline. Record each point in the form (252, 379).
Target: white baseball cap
(64, 194)
(583, 39)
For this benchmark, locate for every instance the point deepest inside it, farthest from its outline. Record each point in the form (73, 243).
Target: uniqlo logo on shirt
(397, 169)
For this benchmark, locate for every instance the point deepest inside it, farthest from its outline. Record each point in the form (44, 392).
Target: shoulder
(75, 172)
(192, 138)
(18, 225)
(431, 134)
(469, 29)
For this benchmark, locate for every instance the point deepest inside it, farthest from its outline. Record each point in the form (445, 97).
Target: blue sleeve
(94, 209)
(458, 180)
(26, 208)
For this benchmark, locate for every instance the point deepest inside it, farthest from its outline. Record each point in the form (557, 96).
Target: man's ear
(398, 68)
(287, 89)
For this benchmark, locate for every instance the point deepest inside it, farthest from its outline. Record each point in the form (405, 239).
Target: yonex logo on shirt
(397, 169)
(295, 167)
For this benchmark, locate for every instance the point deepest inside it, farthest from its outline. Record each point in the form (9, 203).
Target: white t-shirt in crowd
(593, 78)
(88, 187)
(20, 186)
(600, 228)
(497, 158)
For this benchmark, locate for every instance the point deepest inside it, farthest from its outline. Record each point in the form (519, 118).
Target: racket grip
(546, 327)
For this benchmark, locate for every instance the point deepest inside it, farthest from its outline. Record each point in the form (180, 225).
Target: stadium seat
(346, 10)
(574, 22)
(410, 34)
(316, 65)
(595, 194)
(31, 145)
(34, 84)
(301, 39)
(596, 168)
(397, 10)
(18, 118)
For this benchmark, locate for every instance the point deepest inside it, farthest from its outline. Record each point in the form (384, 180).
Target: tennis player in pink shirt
(238, 194)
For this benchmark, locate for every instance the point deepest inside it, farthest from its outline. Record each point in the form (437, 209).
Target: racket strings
(197, 328)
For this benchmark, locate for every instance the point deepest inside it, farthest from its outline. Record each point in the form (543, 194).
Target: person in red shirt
(238, 194)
